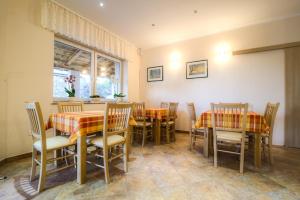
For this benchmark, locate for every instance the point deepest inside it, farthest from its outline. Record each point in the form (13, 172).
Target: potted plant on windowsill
(70, 89)
(95, 98)
(119, 97)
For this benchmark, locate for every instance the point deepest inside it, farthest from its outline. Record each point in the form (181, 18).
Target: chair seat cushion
(111, 140)
(141, 123)
(165, 123)
(55, 142)
(198, 130)
(229, 136)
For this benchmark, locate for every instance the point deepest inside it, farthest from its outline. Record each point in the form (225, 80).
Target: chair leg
(144, 137)
(174, 133)
(125, 152)
(33, 167)
(191, 140)
(152, 134)
(215, 152)
(65, 153)
(132, 136)
(42, 171)
(263, 143)
(106, 169)
(271, 159)
(168, 134)
(242, 158)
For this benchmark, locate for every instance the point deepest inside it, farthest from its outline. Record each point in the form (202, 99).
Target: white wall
(26, 73)
(253, 78)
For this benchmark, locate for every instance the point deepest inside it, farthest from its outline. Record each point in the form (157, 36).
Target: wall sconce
(223, 52)
(175, 59)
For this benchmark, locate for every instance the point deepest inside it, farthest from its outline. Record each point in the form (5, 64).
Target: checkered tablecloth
(156, 113)
(256, 123)
(79, 123)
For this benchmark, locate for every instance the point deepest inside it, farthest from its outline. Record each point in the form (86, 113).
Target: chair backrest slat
(36, 122)
(270, 115)
(229, 117)
(192, 111)
(173, 110)
(164, 105)
(138, 111)
(116, 119)
(70, 107)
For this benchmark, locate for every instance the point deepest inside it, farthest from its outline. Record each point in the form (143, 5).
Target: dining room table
(79, 125)
(156, 115)
(255, 125)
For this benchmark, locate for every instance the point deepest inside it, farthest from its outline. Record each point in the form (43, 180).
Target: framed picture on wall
(197, 69)
(155, 74)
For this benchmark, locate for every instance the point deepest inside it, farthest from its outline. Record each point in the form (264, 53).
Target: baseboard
(182, 131)
(14, 158)
(277, 145)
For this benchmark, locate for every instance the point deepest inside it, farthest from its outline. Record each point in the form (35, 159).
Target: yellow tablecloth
(256, 123)
(156, 113)
(79, 123)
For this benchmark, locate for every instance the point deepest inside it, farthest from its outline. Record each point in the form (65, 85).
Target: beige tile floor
(168, 172)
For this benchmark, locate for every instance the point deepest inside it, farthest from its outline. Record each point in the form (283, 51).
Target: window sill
(88, 102)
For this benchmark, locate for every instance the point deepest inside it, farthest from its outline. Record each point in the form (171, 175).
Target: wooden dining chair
(70, 107)
(43, 145)
(63, 107)
(168, 125)
(270, 115)
(142, 127)
(229, 129)
(115, 132)
(195, 133)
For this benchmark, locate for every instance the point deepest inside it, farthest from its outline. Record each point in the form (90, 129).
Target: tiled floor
(168, 172)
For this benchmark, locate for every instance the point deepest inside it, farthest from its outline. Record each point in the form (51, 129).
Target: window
(107, 79)
(100, 77)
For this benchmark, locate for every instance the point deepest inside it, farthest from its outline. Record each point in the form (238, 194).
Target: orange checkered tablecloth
(157, 113)
(79, 123)
(256, 123)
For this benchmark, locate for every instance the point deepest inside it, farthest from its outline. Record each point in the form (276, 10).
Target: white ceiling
(175, 19)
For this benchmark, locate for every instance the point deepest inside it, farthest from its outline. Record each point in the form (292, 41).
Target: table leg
(81, 159)
(257, 154)
(157, 131)
(210, 135)
(205, 144)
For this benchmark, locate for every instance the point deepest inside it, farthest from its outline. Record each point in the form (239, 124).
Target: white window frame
(120, 85)
(93, 66)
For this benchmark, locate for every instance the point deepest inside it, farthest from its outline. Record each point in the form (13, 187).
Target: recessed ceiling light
(101, 4)
(195, 11)
(152, 24)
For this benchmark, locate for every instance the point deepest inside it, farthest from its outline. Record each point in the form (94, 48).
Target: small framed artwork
(197, 69)
(155, 74)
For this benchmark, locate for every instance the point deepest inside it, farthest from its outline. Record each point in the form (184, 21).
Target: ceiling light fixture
(153, 25)
(195, 11)
(101, 4)
(223, 52)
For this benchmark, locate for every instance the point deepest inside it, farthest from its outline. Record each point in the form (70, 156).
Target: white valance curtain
(67, 23)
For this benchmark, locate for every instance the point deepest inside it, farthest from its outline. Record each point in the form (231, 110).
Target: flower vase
(119, 99)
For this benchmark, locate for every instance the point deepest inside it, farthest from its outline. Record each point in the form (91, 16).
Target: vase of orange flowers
(70, 89)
